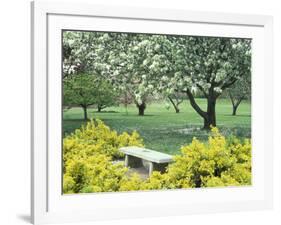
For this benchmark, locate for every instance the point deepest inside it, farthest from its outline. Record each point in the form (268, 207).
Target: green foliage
(92, 174)
(78, 90)
(240, 91)
(88, 154)
(145, 64)
(86, 89)
(220, 162)
(96, 137)
(216, 163)
(88, 165)
(131, 183)
(164, 130)
(105, 95)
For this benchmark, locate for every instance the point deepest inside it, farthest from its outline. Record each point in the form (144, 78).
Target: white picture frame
(48, 205)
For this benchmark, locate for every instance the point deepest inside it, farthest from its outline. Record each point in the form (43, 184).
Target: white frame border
(40, 11)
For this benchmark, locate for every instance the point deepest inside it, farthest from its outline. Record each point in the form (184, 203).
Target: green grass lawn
(162, 129)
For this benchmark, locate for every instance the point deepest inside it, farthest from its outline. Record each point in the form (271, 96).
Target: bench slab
(137, 157)
(147, 154)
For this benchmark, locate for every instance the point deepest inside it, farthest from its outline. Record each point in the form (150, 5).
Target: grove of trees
(85, 90)
(97, 65)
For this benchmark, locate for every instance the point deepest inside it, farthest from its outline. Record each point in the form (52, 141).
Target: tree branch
(173, 103)
(195, 105)
(228, 84)
(202, 89)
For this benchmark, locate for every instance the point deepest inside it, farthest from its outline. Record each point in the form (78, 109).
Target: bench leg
(150, 169)
(133, 162)
(126, 160)
(161, 167)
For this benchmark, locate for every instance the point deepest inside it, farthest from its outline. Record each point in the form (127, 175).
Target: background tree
(116, 57)
(85, 52)
(240, 91)
(145, 65)
(148, 64)
(105, 95)
(78, 91)
(176, 99)
(208, 64)
(128, 59)
(86, 90)
(126, 99)
(75, 52)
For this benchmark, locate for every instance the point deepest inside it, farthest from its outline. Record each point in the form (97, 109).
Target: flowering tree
(145, 64)
(75, 53)
(214, 65)
(176, 99)
(206, 64)
(84, 52)
(240, 91)
(116, 57)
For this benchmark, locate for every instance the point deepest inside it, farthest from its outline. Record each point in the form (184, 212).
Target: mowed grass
(162, 129)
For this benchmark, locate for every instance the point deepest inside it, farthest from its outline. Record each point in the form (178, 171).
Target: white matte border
(48, 205)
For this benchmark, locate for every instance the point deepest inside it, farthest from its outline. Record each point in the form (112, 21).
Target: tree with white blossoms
(84, 52)
(144, 64)
(240, 91)
(176, 99)
(206, 64)
(75, 52)
(223, 62)
(116, 57)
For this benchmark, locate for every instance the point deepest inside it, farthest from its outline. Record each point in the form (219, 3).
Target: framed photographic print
(140, 112)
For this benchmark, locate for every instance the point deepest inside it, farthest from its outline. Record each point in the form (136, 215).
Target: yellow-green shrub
(87, 158)
(131, 183)
(96, 173)
(220, 162)
(96, 137)
(88, 165)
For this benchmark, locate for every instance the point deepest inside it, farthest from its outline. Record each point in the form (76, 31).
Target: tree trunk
(210, 118)
(174, 104)
(234, 109)
(141, 108)
(85, 113)
(235, 104)
(99, 108)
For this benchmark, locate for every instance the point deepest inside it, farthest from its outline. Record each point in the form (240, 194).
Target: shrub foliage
(89, 164)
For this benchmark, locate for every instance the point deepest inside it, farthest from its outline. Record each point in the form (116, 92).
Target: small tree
(240, 91)
(78, 91)
(85, 90)
(105, 95)
(176, 99)
(126, 99)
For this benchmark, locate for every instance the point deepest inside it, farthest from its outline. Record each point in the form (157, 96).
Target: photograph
(144, 111)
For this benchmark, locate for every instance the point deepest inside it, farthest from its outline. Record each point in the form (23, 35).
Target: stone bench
(137, 157)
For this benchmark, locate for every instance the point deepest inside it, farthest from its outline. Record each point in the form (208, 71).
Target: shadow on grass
(104, 112)
(236, 116)
(137, 116)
